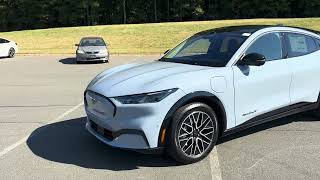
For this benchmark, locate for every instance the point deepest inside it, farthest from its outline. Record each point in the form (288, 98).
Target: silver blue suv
(212, 84)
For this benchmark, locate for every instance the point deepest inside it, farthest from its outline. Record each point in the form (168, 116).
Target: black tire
(315, 113)
(11, 53)
(181, 123)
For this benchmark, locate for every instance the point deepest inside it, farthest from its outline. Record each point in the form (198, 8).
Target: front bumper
(92, 57)
(130, 138)
(136, 126)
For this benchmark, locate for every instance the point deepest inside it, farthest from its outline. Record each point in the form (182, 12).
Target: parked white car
(8, 48)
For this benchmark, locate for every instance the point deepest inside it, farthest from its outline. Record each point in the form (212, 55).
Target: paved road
(42, 134)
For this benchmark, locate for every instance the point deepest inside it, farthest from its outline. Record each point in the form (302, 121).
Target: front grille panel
(93, 52)
(99, 105)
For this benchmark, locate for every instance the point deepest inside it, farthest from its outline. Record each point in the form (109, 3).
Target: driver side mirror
(253, 59)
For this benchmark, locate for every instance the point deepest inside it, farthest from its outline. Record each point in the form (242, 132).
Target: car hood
(92, 48)
(141, 78)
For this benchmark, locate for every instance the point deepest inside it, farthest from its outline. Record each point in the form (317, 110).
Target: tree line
(34, 14)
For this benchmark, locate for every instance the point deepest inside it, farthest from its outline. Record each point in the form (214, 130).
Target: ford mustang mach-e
(214, 83)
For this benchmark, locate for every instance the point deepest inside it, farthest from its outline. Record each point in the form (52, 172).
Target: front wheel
(12, 53)
(193, 133)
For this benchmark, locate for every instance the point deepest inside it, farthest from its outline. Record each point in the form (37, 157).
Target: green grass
(131, 39)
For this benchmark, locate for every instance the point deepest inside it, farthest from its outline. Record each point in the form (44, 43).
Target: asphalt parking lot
(42, 134)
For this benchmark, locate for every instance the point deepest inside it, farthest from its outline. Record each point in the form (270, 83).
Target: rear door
(304, 61)
(261, 89)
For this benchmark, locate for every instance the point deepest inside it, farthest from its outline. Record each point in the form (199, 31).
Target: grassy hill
(131, 39)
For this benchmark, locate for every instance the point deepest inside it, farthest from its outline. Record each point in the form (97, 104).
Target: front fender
(199, 96)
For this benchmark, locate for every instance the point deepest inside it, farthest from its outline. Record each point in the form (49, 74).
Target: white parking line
(214, 165)
(23, 140)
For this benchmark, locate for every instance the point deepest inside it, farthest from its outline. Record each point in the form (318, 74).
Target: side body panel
(259, 90)
(305, 86)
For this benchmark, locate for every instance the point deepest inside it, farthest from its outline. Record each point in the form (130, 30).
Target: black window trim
(317, 41)
(285, 52)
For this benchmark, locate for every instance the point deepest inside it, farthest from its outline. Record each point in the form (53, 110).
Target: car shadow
(302, 117)
(68, 61)
(69, 142)
(73, 61)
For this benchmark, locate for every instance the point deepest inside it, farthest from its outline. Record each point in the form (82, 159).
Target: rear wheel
(193, 133)
(12, 53)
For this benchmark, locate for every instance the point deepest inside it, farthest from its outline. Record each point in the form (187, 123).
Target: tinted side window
(2, 41)
(268, 45)
(299, 45)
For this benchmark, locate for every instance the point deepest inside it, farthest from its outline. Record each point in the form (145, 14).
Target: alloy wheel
(11, 53)
(196, 134)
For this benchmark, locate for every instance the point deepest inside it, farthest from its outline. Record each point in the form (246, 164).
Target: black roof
(241, 29)
(248, 29)
(235, 29)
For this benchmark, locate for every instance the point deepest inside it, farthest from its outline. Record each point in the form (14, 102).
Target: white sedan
(8, 48)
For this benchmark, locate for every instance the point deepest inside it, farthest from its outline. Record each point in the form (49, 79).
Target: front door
(261, 89)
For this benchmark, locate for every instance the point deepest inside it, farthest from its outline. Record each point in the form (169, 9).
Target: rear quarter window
(299, 44)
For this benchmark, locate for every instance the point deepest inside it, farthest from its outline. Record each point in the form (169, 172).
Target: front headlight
(79, 51)
(145, 98)
(104, 51)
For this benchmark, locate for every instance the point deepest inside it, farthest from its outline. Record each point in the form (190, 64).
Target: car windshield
(210, 49)
(92, 42)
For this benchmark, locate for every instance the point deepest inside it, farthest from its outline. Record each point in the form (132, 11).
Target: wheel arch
(200, 96)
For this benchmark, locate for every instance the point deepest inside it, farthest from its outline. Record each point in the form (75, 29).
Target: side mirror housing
(253, 59)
